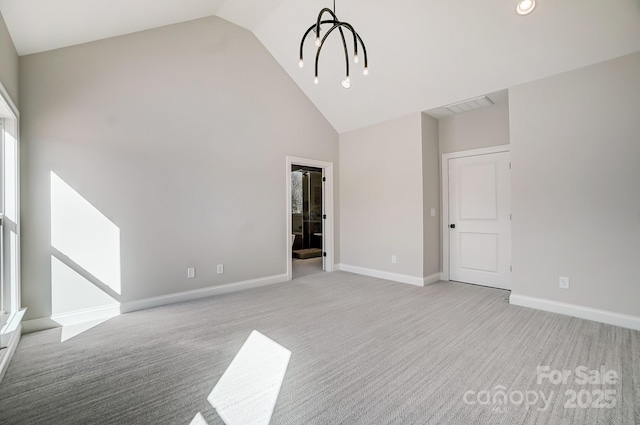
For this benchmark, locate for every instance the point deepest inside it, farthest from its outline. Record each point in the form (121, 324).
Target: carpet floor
(300, 268)
(363, 351)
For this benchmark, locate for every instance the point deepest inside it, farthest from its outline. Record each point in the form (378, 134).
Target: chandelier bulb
(524, 7)
(316, 81)
(366, 71)
(346, 83)
(317, 41)
(301, 63)
(356, 59)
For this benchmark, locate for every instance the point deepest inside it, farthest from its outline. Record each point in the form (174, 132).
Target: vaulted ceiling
(423, 53)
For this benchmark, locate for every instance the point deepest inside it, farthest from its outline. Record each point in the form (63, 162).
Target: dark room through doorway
(306, 220)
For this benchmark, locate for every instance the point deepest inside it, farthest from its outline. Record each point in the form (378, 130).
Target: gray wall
(8, 63)
(178, 136)
(431, 195)
(381, 196)
(477, 129)
(575, 140)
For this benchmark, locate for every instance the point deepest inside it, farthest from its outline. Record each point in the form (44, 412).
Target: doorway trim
(444, 177)
(327, 199)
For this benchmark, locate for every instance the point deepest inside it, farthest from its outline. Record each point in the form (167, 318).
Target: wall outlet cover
(564, 282)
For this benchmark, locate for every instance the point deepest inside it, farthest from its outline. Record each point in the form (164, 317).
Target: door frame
(445, 196)
(327, 206)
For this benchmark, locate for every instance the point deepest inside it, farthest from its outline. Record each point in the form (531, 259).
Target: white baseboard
(72, 318)
(588, 313)
(402, 278)
(179, 297)
(77, 317)
(436, 277)
(11, 349)
(36, 325)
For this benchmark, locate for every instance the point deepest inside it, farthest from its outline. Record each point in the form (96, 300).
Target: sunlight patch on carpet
(247, 392)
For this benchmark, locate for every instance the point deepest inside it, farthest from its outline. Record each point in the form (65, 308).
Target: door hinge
(511, 217)
(324, 216)
(324, 179)
(509, 165)
(324, 254)
(510, 268)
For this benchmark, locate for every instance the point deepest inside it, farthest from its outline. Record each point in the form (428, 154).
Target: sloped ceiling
(423, 53)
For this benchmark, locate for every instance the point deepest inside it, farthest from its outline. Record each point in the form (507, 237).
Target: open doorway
(309, 217)
(306, 220)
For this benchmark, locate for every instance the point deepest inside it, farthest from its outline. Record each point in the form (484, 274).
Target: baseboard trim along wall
(588, 313)
(83, 316)
(402, 278)
(179, 297)
(10, 350)
(436, 277)
(102, 313)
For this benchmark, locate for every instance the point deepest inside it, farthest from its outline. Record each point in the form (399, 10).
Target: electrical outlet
(220, 268)
(394, 259)
(564, 282)
(191, 272)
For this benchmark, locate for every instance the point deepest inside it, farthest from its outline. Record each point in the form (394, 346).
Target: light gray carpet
(364, 351)
(306, 267)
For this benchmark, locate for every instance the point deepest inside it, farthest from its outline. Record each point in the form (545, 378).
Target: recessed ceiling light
(525, 7)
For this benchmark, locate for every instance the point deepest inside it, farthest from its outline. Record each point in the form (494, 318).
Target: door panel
(479, 209)
(478, 251)
(477, 192)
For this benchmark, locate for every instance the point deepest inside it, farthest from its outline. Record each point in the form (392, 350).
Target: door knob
(453, 226)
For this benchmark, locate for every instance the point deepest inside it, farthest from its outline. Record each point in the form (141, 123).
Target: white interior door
(480, 220)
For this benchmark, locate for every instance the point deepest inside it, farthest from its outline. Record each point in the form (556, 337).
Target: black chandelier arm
(344, 42)
(337, 24)
(304, 37)
(336, 21)
(319, 20)
(356, 37)
(364, 50)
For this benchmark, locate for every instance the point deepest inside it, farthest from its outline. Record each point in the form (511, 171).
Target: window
(10, 315)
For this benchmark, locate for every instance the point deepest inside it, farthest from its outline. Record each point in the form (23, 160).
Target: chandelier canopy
(321, 37)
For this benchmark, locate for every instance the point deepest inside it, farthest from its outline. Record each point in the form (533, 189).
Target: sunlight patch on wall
(84, 234)
(247, 392)
(76, 303)
(71, 293)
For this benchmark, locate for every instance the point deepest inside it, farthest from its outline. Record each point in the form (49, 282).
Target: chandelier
(322, 37)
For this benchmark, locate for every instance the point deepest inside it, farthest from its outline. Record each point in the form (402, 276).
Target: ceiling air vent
(469, 105)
